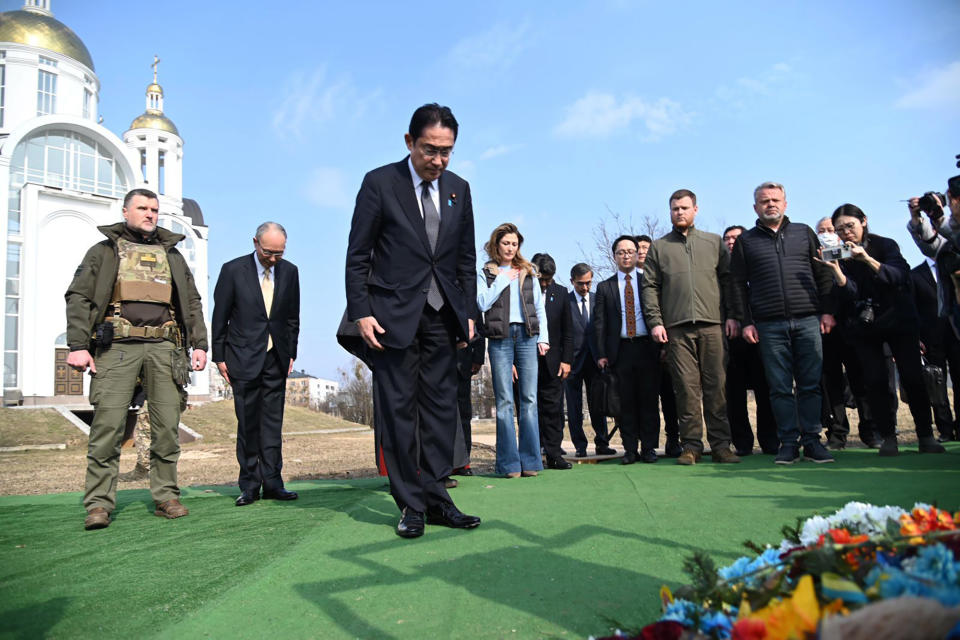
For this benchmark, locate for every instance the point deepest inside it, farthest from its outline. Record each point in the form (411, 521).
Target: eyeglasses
(850, 226)
(268, 253)
(624, 252)
(430, 151)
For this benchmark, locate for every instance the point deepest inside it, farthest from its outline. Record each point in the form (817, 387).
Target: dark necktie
(630, 307)
(583, 310)
(431, 220)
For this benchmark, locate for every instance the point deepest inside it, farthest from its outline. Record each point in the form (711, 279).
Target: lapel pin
(452, 200)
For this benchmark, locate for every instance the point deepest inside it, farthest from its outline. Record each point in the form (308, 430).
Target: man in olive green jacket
(685, 283)
(137, 287)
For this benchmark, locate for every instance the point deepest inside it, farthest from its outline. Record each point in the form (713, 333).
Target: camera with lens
(930, 204)
(832, 249)
(866, 312)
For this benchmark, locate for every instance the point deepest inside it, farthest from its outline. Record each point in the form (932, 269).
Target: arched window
(187, 246)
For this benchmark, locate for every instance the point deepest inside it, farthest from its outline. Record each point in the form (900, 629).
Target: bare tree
(600, 255)
(482, 400)
(355, 399)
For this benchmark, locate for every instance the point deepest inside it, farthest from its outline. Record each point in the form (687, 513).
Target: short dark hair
(430, 115)
(621, 239)
(731, 228)
(545, 264)
(683, 193)
(953, 186)
(146, 193)
(643, 238)
(579, 269)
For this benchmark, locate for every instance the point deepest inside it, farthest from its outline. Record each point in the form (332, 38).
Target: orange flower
(793, 617)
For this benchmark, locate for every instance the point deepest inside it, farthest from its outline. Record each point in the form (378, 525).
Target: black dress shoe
(450, 483)
(411, 524)
(247, 498)
(463, 471)
(558, 463)
(672, 449)
(279, 494)
(581, 453)
(629, 458)
(649, 456)
(449, 516)
(604, 450)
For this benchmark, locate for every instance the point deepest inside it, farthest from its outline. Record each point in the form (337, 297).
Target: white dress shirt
(635, 277)
(418, 188)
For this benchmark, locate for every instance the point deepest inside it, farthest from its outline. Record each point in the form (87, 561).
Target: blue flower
(716, 624)
(748, 570)
(681, 611)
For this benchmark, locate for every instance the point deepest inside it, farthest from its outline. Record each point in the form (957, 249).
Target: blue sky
(568, 111)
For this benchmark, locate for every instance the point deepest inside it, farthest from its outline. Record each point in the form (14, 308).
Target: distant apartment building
(309, 391)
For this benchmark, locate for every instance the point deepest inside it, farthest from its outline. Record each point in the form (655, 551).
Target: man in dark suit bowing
(411, 280)
(624, 343)
(554, 367)
(256, 326)
(584, 368)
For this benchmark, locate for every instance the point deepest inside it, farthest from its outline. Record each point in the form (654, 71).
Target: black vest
(497, 318)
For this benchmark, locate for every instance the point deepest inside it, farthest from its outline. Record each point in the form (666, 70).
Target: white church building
(62, 174)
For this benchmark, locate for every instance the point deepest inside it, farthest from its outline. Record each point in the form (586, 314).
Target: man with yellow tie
(256, 325)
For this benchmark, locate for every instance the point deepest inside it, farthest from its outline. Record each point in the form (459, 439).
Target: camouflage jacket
(89, 295)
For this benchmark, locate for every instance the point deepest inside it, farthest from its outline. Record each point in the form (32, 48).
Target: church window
(46, 92)
(87, 99)
(161, 179)
(3, 84)
(11, 327)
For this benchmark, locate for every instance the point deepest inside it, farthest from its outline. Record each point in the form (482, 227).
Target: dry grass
(218, 422)
(19, 427)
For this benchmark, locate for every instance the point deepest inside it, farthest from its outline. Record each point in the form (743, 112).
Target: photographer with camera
(938, 236)
(876, 304)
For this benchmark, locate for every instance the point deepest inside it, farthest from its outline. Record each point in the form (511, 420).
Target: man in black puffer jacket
(782, 299)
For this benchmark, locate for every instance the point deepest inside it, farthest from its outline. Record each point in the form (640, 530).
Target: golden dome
(40, 30)
(155, 88)
(155, 121)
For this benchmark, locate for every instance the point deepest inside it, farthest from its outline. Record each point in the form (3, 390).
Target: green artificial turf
(563, 555)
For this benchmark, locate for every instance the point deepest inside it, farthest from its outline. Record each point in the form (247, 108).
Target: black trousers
(465, 413)
(573, 390)
(418, 384)
(668, 404)
(638, 373)
(906, 354)
(549, 408)
(745, 371)
(946, 355)
(259, 406)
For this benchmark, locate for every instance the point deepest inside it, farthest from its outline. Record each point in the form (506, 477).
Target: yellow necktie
(266, 288)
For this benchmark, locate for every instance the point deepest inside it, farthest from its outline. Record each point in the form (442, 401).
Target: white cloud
(602, 114)
(498, 150)
(746, 89)
(312, 98)
(496, 47)
(933, 89)
(327, 187)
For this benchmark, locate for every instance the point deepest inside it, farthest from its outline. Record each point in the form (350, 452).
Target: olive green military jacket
(91, 291)
(686, 279)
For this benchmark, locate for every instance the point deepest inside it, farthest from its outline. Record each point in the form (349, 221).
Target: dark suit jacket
(584, 339)
(389, 261)
(925, 297)
(559, 326)
(607, 318)
(240, 323)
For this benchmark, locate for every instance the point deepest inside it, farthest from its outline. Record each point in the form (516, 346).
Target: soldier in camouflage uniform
(133, 298)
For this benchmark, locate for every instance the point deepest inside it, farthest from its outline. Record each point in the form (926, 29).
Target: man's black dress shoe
(581, 453)
(672, 449)
(462, 471)
(411, 524)
(604, 450)
(558, 463)
(450, 483)
(247, 498)
(449, 516)
(629, 458)
(279, 494)
(648, 456)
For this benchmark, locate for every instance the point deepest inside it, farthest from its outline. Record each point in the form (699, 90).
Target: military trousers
(111, 391)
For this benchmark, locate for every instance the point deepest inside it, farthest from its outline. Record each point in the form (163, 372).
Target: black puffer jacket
(775, 276)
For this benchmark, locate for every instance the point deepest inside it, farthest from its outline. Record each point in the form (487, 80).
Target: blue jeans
(521, 350)
(792, 350)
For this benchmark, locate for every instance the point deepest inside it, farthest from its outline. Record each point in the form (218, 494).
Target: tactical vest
(143, 276)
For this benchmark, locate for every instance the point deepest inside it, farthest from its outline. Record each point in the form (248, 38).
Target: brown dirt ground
(212, 460)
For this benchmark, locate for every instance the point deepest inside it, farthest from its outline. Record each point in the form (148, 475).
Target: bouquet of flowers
(839, 576)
